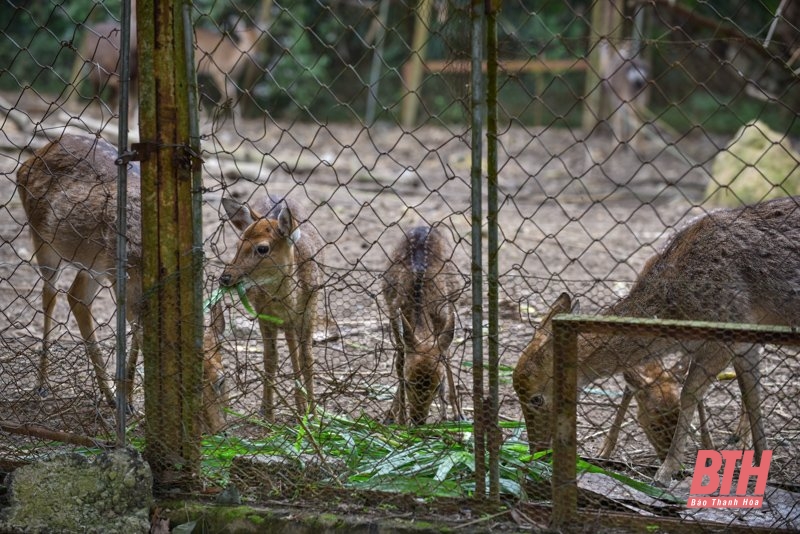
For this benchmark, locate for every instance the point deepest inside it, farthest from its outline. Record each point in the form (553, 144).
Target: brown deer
(278, 261)
(68, 191)
(218, 55)
(420, 291)
(656, 389)
(738, 265)
(223, 57)
(100, 49)
(624, 77)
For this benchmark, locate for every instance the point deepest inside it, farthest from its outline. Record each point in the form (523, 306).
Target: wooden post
(412, 70)
(172, 263)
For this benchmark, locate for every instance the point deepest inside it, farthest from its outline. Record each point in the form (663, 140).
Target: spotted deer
(278, 262)
(420, 291)
(738, 265)
(68, 190)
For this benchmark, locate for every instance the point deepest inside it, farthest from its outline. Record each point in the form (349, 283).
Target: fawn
(68, 191)
(420, 291)
(656, 389)
(737, 265)
(278, 260)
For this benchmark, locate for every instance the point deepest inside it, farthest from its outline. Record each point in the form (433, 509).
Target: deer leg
(130, 368)
(708, 360)
(610, 442)
(452, 393)
(297, 368)
(269, 337)
(48, 261)
(81, 294)
(305, 345)
(705, 436)
(741, 436)
(397, 412)
(749, 377)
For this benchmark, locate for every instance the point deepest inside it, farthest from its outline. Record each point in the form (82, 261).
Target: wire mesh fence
(338, 233)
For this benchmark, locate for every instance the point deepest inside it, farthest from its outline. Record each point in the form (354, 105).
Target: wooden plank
(510, 66)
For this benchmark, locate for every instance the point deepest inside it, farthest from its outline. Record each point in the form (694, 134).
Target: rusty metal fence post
(565, 442)
(478, 106)
(172, 302)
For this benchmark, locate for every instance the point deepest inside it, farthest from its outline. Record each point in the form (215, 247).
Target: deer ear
(635, 380)
(407, 334)
(286, 221)
(240, 215)
(563, 304)
(445, 339)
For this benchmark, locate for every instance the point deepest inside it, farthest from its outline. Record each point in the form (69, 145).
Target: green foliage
(435, 460)
(296, 79)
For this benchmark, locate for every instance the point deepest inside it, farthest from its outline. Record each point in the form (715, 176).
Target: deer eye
(262, 250)
(537, 401)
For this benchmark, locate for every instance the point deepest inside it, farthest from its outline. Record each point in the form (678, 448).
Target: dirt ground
(576, 214)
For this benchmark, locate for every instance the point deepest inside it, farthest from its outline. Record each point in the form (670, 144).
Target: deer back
(69, 192)
(420, 284)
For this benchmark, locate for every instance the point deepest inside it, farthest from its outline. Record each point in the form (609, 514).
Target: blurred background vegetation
(316, 62)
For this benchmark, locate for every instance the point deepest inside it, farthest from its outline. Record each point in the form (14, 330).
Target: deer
(656, 389)
(736, 265)
(100, 48)
(68, 190)
(221, 56)
(218, 55)
(420, 292)
(278, 263)
(624, 77)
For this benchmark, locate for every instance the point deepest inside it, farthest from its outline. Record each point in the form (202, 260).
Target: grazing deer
(657, 392)
(420, 291)
(278, 262)
(68, 190)
(222, 56)
(739, 265)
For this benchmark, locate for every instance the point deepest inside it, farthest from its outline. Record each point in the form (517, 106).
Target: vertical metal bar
(564, 425)
(197, 176)
(477, 107)
(493, 429)
(122, 224)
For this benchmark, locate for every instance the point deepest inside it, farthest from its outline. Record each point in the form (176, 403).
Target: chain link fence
(337, 138)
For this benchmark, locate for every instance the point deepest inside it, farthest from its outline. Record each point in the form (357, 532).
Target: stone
(111, 492)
